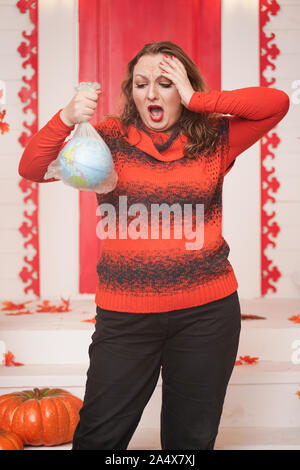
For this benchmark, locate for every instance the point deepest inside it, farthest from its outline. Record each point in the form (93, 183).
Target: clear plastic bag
(85, 162)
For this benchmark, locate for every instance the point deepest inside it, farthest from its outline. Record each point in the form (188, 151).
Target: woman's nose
(152, 92)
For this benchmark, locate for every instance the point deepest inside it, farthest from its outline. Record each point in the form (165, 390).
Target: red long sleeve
(167, 273)
(255, 111)
(42, 149)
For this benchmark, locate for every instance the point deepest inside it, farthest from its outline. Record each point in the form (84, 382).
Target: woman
(164, 304)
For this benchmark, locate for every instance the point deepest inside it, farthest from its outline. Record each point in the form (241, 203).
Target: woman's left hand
(174, 69)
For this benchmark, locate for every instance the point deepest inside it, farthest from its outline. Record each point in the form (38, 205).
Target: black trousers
(195, 349)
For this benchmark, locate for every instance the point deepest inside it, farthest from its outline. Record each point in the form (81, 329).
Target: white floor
(228, 439)
(261, 409)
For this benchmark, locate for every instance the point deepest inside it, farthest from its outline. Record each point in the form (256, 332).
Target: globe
(85, 163)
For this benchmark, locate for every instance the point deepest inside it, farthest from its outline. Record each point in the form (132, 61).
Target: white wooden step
(262, 394)
(64, 338)
(251, 438)
(245, 438)
(50, 338)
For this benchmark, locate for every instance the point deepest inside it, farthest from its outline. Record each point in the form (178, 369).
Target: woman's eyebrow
(146, 78)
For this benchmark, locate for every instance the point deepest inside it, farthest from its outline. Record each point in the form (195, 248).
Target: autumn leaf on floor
(246, 360)
(295, 318)
(46, 307)
(91, 320)
(9, 360)
(238, 363)
(4, 127)
(249, 359)
(14, 314)
(12, 306)
(66, 305)
(252, 317)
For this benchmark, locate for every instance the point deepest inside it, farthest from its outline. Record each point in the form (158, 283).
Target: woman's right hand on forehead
(81, 107)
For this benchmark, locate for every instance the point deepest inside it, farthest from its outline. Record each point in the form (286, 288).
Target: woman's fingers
(173, 65)
(173, 69)
(169, 61)
(88, 93)
(178, 63)
(91, 104)
(87, 97)
(82, 106)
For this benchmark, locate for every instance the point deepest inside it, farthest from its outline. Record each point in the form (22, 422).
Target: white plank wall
(12, 23)
(241, 192)
(286, 256)
(59, 204)
(58, 212)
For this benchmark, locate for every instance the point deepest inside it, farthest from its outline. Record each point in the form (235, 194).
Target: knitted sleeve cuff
(59, 122)
(197, 103)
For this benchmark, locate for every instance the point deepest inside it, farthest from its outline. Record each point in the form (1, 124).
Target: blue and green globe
(85, 163)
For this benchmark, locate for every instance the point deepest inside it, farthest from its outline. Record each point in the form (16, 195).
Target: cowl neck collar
(160, 145)
(161, 140)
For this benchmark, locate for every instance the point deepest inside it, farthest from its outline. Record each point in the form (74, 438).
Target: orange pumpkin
(40, 416)
(10, 441)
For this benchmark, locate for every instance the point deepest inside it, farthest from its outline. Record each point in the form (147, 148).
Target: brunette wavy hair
(203, 135)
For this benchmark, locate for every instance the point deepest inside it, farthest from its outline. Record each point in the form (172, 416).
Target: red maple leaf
(12, 306)
(4, 127)
(246, 360)
(295, 318)
(9, 360)
(46, 307)
(22, 312)
(91, 320)
(65, 307)
(238, 363)
(251, 317)
(249, 359)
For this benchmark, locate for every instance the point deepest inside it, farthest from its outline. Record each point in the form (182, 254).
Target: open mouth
(156, 112)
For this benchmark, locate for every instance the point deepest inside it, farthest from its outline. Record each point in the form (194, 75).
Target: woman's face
(156, 97)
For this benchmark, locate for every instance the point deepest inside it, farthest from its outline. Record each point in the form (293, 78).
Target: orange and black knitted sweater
(144, 273)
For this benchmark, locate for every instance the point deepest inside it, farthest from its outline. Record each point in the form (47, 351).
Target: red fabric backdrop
(111, 32)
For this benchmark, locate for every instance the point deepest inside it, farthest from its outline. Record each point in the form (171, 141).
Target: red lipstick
(156, 112)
